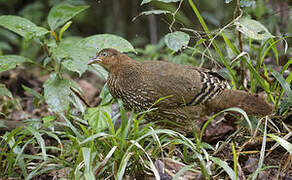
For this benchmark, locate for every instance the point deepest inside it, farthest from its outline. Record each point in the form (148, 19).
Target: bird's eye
(104, 54)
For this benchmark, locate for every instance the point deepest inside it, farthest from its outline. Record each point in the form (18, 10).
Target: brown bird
(190, 92)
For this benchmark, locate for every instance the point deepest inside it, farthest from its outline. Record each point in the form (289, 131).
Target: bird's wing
(187, 85)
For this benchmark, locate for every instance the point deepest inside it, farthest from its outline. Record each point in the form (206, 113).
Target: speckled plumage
(191, 92)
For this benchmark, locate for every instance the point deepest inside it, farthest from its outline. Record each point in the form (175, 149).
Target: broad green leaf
(62, 13)
(96, 117)
(76, 96)
(8, 62)
(72, 56)
(33, 11)
(165, 1)
(101, 41)
(57, 91)
(253, 29)
(284, 143)
(4, 91)
(99, 71)
(5, 46)
(105, 96)
(177, 40)
(9, 37)
(22, 26)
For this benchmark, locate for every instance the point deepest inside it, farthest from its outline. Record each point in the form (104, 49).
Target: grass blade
(123, 165)
(285, 144)
(225, 166)
(262, 154)
(39, 139)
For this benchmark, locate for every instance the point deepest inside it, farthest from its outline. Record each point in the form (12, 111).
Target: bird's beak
(94, 60)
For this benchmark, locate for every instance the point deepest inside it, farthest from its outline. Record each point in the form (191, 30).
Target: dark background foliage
(116, 16)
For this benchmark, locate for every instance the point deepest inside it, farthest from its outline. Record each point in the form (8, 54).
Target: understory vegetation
(59, 121)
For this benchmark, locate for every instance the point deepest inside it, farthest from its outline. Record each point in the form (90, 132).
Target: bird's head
(108, 58)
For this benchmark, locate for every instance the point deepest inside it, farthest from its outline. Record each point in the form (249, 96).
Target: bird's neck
(126, 67)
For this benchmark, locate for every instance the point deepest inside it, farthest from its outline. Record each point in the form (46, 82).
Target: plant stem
(202, 22)
(242, 67)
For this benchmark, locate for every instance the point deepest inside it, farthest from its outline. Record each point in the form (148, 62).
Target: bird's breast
(132, 93)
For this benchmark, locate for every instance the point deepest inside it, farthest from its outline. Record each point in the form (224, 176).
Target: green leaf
(262, 154)
(5, 46)
(177, 40)
(97, 117)
(76, 99)
(99, 71)
(95, 136)
(32, 92)
(62, 13)
(286, 66)
(181, 172)
(152, 12)
(2, 125)
(40, 140)
(87, 159)
(101, 41)
(4, 91)
(105, 96)
(283, 83)
(11, 61)
(253, 29)
(225, 166)
(22, 26)
(57, 91)
(285, 105)
(48, 120)
(63, 29)
(165, 1)
(217, 49)
(284, 143)
(72, 56)
(123, 165)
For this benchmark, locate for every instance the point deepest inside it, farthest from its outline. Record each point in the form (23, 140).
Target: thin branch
(173, 15)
